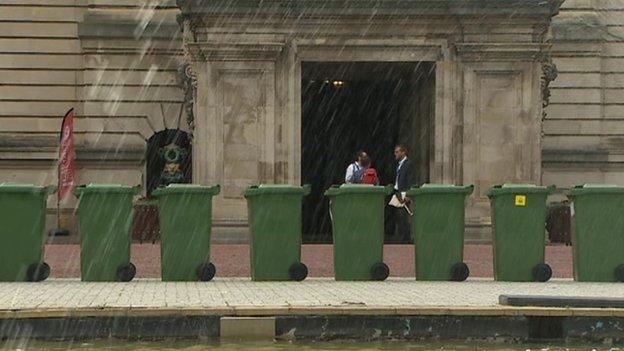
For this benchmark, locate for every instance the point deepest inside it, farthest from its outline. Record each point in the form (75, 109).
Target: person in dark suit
(403, 181)
(404, 172)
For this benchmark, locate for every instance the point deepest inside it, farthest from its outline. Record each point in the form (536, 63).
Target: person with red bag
(369, 174)
(361, 172)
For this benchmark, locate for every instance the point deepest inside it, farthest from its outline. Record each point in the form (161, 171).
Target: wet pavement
(276, 308)
(233, 288)
(225, 294)
(116, 345)
(233, 260)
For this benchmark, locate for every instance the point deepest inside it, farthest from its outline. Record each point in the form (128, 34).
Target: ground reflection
(187, 345)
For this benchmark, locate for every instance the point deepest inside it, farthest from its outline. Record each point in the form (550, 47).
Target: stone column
(502, 119)
(238, 123)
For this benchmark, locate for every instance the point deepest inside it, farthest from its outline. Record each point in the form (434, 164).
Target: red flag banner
(67, 157)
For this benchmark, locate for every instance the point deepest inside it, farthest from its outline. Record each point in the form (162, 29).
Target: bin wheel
(298, 271)
(38, 272)
(126, 272)
(380, 271)
(542, 272)
(206, 271)
(459, 272)
(619, 273)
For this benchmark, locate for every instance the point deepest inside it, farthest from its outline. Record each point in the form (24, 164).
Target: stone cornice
(437, 18)
(108, 27)
(378, 8)
(100, 34)
(500, 51)
(234, 51)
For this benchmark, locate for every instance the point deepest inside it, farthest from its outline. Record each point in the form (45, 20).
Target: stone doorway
(351, 106)
(488, 89)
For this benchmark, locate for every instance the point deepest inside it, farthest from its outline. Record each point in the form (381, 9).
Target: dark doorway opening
(168, 159)
(353, 106)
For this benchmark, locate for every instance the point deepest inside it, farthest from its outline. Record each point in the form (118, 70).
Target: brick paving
(233, 292)
(233, 260)
(311, 293)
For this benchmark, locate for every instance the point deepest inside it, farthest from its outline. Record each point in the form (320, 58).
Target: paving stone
(233, 260)
(313, 293)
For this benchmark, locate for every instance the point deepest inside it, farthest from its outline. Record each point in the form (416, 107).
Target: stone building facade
(229, 75)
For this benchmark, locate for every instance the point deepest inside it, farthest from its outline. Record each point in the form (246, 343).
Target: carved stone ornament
(187, 77)
(549, 73)
(187, 80)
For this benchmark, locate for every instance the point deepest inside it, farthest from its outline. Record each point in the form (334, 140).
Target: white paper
(394, 202)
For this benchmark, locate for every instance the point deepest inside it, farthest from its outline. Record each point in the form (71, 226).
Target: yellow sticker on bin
(521, 200)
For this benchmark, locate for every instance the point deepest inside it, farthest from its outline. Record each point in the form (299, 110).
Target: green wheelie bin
(104, 217)
(438, 230)
(22, 225)
(357, 213)
(275, 224)
(185, 216)
(598, 232)
(519, 232)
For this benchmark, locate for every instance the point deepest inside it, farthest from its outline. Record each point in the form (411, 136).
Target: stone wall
(584, 128)
(117, 63)
(114, 61)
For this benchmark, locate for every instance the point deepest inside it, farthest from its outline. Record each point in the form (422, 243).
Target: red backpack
(369, 176)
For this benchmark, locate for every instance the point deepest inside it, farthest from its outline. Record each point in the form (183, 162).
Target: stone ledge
(247, 327)
(507, 328)
(396, 8)
(568, 303)
(313, 309)
(252, 311)
(108, 27)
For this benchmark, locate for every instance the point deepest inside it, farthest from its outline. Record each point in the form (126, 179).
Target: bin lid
(21, 188)
(358, 189)
(181, 188)
(587, 189)
(511, 188)
(106, 188)
(440, 189)
(276, 189)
